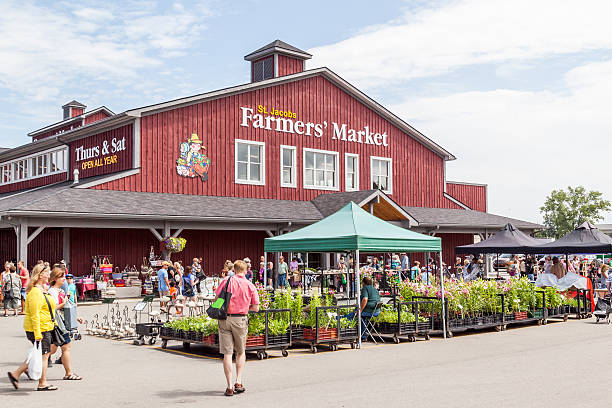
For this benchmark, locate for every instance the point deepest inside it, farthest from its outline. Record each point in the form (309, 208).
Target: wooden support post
(66, 245)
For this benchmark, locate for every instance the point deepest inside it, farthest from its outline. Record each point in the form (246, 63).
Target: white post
(442, 290)
(357, 281)
(265, 282)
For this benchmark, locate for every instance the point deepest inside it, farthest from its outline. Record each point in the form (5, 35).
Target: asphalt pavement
(557, 365)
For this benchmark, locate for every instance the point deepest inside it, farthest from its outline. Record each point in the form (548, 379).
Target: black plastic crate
(297, 332)
(348, 332)
(278, 339)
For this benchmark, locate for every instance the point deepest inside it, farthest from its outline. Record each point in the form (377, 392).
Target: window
(33, 166)
(288, 166)
(263, 69)
(382, 175)
(320, 169)
(250, 162)
(351, 171)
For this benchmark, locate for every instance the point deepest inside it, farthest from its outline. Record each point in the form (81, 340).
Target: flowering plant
(172, 244)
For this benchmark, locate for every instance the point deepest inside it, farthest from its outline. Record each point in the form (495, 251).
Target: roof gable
(321, 72)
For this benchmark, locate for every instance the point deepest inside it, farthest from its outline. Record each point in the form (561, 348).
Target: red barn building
(227, 168)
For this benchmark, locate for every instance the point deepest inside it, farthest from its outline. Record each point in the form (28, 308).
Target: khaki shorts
(233, 334)
(164, 293)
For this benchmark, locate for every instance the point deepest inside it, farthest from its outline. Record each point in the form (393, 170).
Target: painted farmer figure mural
(193, 161)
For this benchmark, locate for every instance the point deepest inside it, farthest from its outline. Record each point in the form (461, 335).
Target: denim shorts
(23, 293)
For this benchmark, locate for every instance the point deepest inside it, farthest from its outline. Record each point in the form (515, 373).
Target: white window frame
(336, 170)
(390, 161)
(31, 160)
(262, 180)
(293, 167)
(355, 169)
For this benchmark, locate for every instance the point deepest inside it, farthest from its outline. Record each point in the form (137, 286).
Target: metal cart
(409, 331)
(260, 345)
(325, 336)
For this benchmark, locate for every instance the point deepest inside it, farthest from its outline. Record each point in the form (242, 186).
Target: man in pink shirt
(24, 275)
(233, 330)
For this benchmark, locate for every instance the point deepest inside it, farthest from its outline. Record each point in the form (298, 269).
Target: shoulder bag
(8, 289)
(218, 310)
(57, 336)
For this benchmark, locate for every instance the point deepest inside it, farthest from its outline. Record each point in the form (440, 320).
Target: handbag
(8, 290)
(218, 310)
(57, 336)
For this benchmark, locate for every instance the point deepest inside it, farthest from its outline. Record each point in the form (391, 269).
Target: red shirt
(243, 293)
(25, 277)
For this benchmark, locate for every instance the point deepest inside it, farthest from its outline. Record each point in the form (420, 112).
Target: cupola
(72, 109)
(276, 59)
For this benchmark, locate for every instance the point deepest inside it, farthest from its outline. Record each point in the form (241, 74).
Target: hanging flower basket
(173, 244)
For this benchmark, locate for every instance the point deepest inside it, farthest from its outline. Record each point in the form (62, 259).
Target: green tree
(564, 210)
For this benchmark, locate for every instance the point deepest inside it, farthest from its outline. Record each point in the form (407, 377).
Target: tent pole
(357, 281)
(442, 291)
(265, 282)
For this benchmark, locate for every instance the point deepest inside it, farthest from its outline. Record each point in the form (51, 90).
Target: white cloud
(431, 42)
(524, 144)
(46, 50)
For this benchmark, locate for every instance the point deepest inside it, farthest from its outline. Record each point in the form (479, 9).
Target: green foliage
(257, 324)
(200, 324)
(564, 210)
(388, 314)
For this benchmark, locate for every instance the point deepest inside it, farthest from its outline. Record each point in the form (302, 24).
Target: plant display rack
(258, 344)
(330, 337)
(421, 309)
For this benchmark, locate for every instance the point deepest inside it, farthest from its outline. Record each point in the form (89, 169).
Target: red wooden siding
(8, 245)
(76, 112)
(130, 246)
(289, 65)
(450, 242)
(474, 196)
(96, 117)
(69, 126)
(37, 182)
(46, 246)
(417, 171)
(124, 157)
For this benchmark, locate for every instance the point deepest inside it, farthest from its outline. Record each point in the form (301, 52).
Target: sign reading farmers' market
(286, 121)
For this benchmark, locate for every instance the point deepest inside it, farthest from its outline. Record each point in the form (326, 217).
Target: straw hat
(194, 138)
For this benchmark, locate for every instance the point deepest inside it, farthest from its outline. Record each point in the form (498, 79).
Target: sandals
(238, 388)
(47, 388)
(72, 377)
(229, 392)
(13, 380)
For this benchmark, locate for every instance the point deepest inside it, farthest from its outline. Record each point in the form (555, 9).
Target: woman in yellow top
(38, 324)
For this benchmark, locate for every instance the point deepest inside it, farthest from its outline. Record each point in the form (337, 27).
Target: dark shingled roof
(283, 46)
(75, 104)
(63, 199)
(328, 204)
(444, 217)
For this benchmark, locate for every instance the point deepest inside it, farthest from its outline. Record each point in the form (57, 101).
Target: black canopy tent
(507, 240)
(585, 239)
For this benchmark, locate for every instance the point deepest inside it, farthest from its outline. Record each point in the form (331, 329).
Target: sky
(517, 90)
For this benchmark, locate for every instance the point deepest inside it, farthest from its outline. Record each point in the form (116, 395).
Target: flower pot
(255, 341)
(210, 339)
(324, 334)
(520, 315)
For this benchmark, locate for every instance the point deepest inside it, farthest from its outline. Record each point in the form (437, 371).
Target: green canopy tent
(353, 229)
